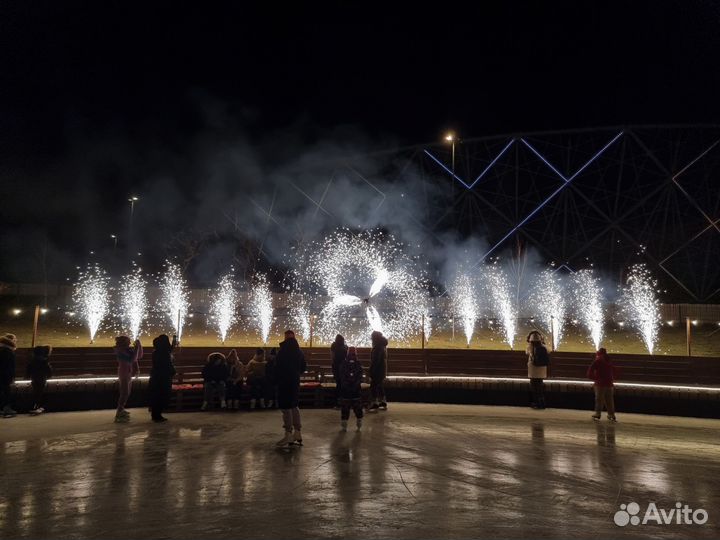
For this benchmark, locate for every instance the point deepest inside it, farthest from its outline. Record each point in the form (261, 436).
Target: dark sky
(140, 81)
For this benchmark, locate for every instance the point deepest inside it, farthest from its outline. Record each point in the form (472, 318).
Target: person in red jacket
(601, 371)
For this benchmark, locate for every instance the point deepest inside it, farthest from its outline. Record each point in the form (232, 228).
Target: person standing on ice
(538, 360)
(39, 371)
(378, 371)
(289, 366)
(8, 344)
(161, 376)
(128, 359)
(338, 351)
(350, 373)
(255, 373)
(602, 372)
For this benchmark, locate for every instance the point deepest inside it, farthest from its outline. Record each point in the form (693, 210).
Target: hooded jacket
(378, 356)
(602, 370)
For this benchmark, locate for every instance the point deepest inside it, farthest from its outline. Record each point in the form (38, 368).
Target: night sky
(99, 100)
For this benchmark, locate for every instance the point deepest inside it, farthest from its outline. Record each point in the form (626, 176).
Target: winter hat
(9, 341)
(215, 356)
(534, 336)
(42, 350)
(122, 341)
(352, 354)
(162, 343)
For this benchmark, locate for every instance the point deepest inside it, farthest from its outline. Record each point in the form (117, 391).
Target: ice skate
(359, 424)
(343, 425)
(262, 403)
(596, 417)
(204, 406)
(287, 440)
(383, 406)
(297, 438)
(223, 404)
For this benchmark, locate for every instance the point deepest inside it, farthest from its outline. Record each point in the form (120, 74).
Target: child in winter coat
(8, 344)
(537, 371)
(378, 370)
(338, 352)
(235, 379)
(256, 378)
(215, 375)
(602, 372)
(128, 359)
(39, 371)
(270, 383)
(350, 373)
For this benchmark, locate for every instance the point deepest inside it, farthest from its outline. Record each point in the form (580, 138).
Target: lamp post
(450, 137)
(114, 237)
(132, 201)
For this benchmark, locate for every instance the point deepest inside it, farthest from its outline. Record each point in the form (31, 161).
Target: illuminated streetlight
(450, 137)
(16, 311)
(132, 200)
(114, 237)
(43, 311)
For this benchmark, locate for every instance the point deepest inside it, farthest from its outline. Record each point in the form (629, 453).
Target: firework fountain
(224, 305)
(91, 296)
(133, 301)
(641, 306)
(548, 298)
(300, 315)
(503, 306)
(174, 297)
(261, 305)
(364, 276)
(589, 304)
(464, 294)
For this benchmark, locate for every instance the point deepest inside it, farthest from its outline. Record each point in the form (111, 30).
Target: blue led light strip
(566, 181)
(470, 186)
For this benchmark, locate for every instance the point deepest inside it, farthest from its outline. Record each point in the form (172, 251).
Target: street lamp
(450, 137)
(114, 237)
(132, 200)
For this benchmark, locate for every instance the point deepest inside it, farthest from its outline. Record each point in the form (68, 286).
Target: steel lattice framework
(612, 195)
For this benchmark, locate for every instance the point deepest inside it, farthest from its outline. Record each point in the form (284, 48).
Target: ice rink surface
(415, 471)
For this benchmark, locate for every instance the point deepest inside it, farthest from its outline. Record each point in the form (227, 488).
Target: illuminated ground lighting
(568, 381)
(714, 389)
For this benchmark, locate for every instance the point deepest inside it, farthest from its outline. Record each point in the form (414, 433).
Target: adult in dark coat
(338, 350)
(161, 375)
(39, 371)
(378, 370)
(8, 344)
(289, 366)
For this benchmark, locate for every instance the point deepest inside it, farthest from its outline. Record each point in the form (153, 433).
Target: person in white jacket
(536, 373)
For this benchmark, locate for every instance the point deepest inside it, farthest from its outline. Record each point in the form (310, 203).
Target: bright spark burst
(174, 297)
(261, 305)
(501, 300)
(640, 304)
(91, 296)
(133, 301)
(366, 277)
(589, 304)
(427, 324)
(465, 298)
(223, 308)
(300, 315)
(548, 299)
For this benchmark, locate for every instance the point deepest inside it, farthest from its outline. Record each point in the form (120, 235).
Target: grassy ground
(59, 330)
